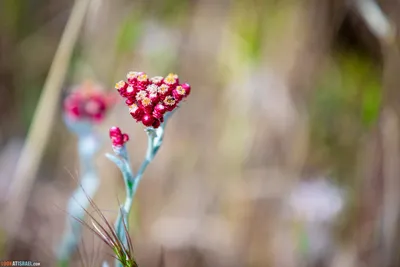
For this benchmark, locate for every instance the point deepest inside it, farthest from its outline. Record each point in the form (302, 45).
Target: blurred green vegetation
(173, 12)
(129, 33)
(10, 13)
(345, 106)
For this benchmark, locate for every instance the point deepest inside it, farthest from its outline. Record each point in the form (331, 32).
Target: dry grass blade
(129, 249)
(87, 259)
(94, 231)
(109, 237)
(83, 254)
(107, 233)
(128, 238)
(41, 126)
(103, 236)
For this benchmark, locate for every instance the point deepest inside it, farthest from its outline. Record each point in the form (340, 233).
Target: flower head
(142, 78)
(154, 98)
(141, 95)
(186, 87)
(179, 93)
(150, 98)
(152, 89)
(132, 76)
(136, 112)
(89, 102)
(171, 80)
(170, 103)
(121, 87)
(157, 80)
(130, 91)
(146, 101)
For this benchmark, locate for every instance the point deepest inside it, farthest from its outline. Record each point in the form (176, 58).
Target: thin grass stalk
(43, 120)
(106, 232)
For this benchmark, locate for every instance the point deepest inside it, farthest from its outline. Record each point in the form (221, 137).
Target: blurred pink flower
(88, 102)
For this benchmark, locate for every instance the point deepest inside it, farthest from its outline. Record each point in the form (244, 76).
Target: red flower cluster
(149, 99)
(87, 102)
(118, 139)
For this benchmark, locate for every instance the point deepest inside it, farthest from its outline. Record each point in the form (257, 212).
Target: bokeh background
(285, 154)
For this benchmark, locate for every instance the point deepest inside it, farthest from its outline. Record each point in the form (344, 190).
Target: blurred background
(285, 154)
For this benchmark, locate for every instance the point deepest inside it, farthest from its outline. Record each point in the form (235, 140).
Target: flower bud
(156, 124)
(130, 101)
(154, 98)
(156, 114)
(163, 91)
(147, 120)
(118, 139)
(186, 87)
(159, 111)
(142, 79)
(130, 91)
(179, 93)
(157, 80)
(171, 80)
(161, 108)
(121, 87)
(152, 89)
(136, 112)
(140, 95)
(125, 137)
(170, 103)
(132, 77)
(147, 105)
(115, 131)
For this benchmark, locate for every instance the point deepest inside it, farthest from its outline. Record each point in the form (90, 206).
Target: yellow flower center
(171, 78)
(180, 90)
(140, 95)
(119, 85)
(156, 79)
(169, 100)
(152, 89)
(142, 78)
(132, 74)
(133, 108)
(146, 101)
(163, 89)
